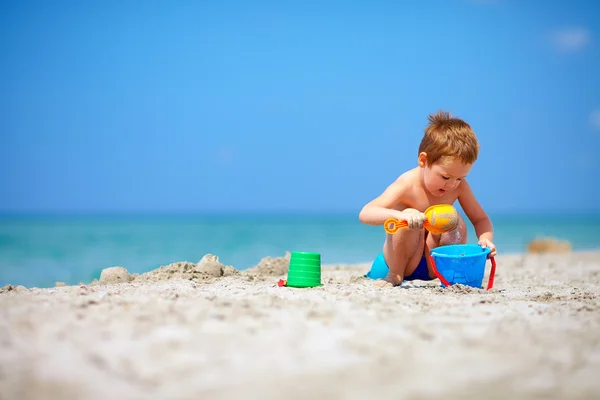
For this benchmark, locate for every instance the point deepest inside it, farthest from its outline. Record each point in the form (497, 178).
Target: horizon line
(209, 213)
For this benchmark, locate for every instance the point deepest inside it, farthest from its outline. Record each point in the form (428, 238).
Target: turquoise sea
(38, 251)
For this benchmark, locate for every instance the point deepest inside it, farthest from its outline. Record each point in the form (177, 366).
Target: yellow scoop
(441, 218)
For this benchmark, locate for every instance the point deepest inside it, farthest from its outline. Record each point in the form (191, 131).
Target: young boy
(447, 152)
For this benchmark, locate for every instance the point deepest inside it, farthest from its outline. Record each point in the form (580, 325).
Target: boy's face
(444, 176)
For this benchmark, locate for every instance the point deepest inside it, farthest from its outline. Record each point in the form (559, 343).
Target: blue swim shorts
(379, 270)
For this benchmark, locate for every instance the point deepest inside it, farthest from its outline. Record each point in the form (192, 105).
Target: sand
(207, 331)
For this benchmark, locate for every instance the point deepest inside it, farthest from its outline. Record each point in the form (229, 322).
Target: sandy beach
(207, 331)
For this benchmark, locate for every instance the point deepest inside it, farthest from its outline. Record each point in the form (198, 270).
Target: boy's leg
(456, 236)
(403, 251)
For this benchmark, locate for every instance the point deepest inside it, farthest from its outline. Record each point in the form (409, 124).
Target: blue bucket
(463, 264)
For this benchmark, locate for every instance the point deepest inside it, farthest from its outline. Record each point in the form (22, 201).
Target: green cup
(304, 270)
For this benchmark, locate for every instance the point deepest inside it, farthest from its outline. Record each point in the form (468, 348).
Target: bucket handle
(447, 284)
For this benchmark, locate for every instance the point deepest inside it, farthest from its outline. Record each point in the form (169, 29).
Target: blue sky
(145, 106)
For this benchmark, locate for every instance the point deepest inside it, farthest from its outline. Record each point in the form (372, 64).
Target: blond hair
(451, 137)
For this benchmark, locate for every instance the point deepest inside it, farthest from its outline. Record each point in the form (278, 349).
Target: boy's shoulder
(404, 183)
(399, 194)
(408, 177)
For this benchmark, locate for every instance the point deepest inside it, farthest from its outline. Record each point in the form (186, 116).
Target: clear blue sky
(119, 106)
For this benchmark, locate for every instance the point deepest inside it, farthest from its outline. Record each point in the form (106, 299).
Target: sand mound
(207, 269)
(11, 288)
(271, 266)
(114, 275)
(548, 245)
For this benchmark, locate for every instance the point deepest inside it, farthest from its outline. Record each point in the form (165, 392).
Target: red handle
(436, 272)
(446, 283)
(492, 273)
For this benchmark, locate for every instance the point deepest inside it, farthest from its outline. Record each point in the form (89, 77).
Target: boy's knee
(406, 237)
(403, 246)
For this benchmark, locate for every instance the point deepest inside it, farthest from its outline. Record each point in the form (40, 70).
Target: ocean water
(38, 251)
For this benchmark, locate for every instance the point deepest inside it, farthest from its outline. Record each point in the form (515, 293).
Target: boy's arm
(478, 217)
(378, 210)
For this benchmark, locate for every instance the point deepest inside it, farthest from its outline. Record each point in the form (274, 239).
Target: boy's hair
(447, 136)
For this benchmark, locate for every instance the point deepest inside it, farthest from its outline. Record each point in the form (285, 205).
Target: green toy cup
(304, 270)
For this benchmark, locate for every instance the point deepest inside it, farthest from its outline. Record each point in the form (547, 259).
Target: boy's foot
(383, 283)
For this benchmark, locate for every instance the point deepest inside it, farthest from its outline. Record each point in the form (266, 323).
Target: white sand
(535, 335)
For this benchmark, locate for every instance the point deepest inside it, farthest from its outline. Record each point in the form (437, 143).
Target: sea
(41, 250)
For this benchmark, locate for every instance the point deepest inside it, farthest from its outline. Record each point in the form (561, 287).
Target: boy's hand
(415, 220)
(490, 245)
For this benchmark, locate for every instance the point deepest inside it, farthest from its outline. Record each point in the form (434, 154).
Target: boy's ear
(422, 159)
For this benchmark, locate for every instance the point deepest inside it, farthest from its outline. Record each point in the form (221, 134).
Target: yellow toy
(441, 218)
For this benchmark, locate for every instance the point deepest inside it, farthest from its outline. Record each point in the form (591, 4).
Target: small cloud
(224, 157)
(595, 119)
(571, 40)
